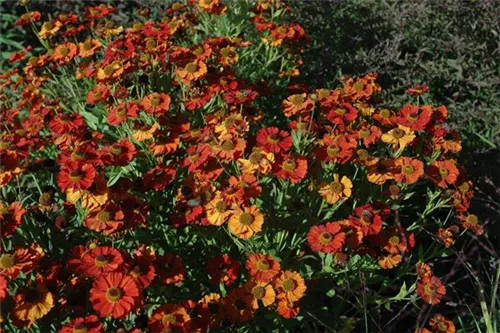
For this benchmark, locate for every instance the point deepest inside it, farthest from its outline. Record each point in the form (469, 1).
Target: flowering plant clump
(175, 176)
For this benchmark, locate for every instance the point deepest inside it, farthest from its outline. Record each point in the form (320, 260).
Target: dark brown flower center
(101, 260)
(336, 187)
(114, 294)
(258, 292)
(325, 238)
(246, 219)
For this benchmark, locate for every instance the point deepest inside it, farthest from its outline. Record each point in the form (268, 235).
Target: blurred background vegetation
(451, 45)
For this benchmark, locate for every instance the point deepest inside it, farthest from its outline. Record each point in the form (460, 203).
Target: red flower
(121, 112)
(223, 269)
(291, 167)
(169, 318)
(89, 324)
(76, 176)
(4, 288)
(443, 173)
(327, 238)
(100, 261)
(274, 140)
(415, 117)
(11, 217)
(107, 220)
(369, 221)
(342, 114)
(120, 153)
(142, 269)
(240, 96)
(431, 290)
(115, 295)
(97, 94)
(197, 155)
(159, 177)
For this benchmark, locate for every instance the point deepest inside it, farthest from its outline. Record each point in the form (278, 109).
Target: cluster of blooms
(141, 145)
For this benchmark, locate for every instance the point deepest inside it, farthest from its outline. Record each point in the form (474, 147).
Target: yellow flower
(33, 304)
(339, 189)
(399, 137)
(218, 211)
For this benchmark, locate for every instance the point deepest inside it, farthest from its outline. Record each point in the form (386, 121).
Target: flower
(410, 170)
(298, 104)
(261, 292)
(431, 290)
(239, 305)
(414, 117)
(262, 267)
(76, 176)
(399, 137)
(32, 304)
(193, 71)
(156, 103)
(274, 140)
(169, 318)
(120, 153)
(114, 294)
(64, 53)
(339, 189)
(145, 132)
(471, 222)
(218, 212)
(89, 324)
(246, 222)
(4, 288)
(291, 167)
(424, 271)
(89, 47)
(11, 218)
(288, 309)
(327, 238)
(107, 219)
(441, 324)
(380, 171)
(443, 173)
(223, 269)
(215, 306)
(290, 286)
(369, 221)
(258, 162)
(20, 259)
(100, 261)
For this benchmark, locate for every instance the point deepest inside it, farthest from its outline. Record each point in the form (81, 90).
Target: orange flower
(339, 189)
(217, 211)
(230, 149)
(389, 261)
(380, 170)
(228, 56)
(212, 6)
(424, 271)
(246, 222)
(443, 173)
(258, 162)
(89, 47)
(169, 318)
(298, 104)
(145, 132)
(261, 292)
(288, 309)
(193, 71)
(156, 103)
(441, 324)
(326, 238)
(32, 304)
(49, 28)
(115, 295)
(22, 259)
(399, 137)
(110, 72)
(64, 53)
(471, 222)
(410, 170)
(431, 290)
(290, 286)
(106, 220)
(262, 267)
